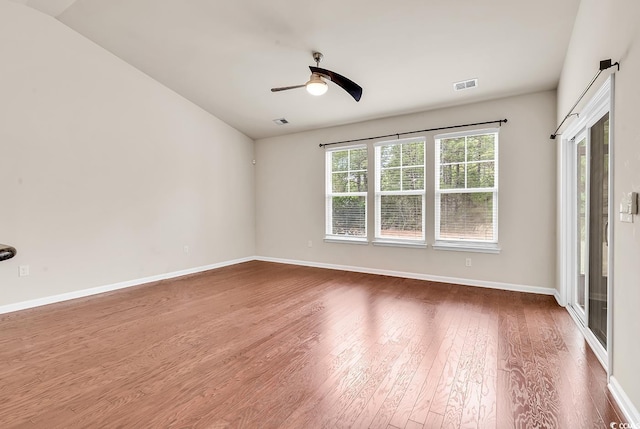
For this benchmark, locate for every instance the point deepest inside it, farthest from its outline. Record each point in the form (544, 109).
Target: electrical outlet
(23, 270)
(309, 243)
(467, 262)
(186, 249)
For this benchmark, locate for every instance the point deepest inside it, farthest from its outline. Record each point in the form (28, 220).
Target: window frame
(329, 194)
(378, 194)
(466, 244)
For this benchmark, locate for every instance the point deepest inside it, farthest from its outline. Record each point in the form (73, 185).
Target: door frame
(601, 103)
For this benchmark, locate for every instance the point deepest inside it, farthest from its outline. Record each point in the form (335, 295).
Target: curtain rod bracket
(606, 64)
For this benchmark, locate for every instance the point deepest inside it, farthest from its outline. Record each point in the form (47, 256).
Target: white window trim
(335, 238)
(394, 241)
(466, 245)
(400, 243)
(346, 239)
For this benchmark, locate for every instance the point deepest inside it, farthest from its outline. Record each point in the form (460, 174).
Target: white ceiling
(406, 54)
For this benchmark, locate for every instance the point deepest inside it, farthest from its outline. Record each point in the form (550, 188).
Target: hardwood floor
(262, 345)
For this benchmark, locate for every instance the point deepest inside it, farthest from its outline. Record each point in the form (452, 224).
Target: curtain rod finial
(553, 136)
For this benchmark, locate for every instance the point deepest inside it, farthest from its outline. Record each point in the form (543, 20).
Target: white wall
(290, 196)
(611, 29)
(105, 174)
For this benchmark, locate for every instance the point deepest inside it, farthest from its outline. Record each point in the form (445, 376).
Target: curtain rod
(499, 122)
(604, 65)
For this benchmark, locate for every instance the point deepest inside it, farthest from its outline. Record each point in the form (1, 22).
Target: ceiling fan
(317, 84)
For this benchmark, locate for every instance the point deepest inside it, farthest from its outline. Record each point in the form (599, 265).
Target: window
(466, 189)
(346, 193)
(400, 191)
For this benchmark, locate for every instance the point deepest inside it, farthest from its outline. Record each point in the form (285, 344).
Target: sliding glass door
(587, 220)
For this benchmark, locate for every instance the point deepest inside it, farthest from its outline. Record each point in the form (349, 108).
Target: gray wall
(290, 204)
(611, 29)
(105, 174)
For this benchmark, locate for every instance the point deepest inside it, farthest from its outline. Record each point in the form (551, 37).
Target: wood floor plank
(448, 375)
(537, 413)
(278, 346)
(549, 397)
(460, 387)
(513, 365)
(424, 399)
(487, 414)
(433, 421)
(441, 327)
(474, 393)
(414, 425)
(505, 408)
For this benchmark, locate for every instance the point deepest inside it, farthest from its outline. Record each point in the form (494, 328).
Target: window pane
(358, 159)
(481, 148)
(340, 160)
(349, 216)
(413, 154)
(339, 182)
(452, 176)
(480, 175)
(413, 179)
(357, 181)
(390, 180)
(401, 216)
(452, 150)
(466, 216)
(390, 156)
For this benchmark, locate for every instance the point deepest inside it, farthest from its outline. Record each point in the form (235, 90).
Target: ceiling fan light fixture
(316, 85)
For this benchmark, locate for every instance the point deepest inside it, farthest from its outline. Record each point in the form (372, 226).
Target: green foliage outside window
(401, 169)
(467, 172)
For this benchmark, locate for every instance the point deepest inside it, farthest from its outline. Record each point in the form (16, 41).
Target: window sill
(467, 247)
(394, 243)
(346, 240)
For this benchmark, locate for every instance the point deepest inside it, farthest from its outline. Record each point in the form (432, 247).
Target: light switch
(626, 217)
(633, 204)
(628, 207)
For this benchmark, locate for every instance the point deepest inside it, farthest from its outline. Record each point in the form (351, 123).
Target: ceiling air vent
(281, 121)
(465, 84)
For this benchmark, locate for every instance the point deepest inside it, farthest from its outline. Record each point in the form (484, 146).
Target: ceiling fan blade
(285, 88)
(348, 85)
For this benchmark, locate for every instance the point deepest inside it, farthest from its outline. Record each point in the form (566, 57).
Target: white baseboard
(559, 300)
(108, 288)
(626, 406)
(417, 276)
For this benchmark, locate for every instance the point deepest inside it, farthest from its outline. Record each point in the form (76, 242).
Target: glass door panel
(598, 235)
(581, 223)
